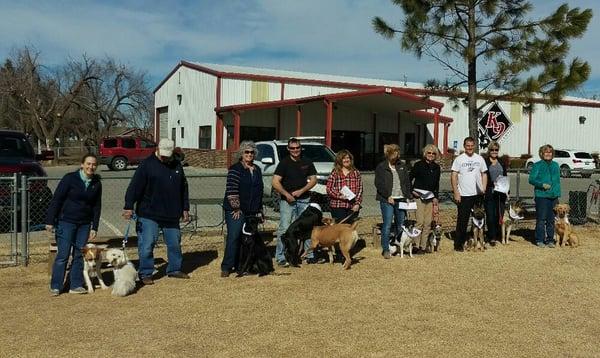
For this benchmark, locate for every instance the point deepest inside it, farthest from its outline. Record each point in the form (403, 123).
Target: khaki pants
(424, 217)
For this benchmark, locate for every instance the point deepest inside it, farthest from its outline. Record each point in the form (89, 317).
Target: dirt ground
(510, 301)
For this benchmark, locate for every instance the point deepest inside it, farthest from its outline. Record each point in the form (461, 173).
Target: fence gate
(9, 220)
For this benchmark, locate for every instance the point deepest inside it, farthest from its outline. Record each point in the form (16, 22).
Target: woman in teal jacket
(545, 178)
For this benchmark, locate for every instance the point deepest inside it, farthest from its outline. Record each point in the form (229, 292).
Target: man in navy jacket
(159, 191)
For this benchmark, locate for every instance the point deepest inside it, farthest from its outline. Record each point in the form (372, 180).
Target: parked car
(18, 157)
(119, 152)
(270, 154)
(570, 162)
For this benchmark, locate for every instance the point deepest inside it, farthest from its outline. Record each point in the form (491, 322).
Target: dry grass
(515, 300)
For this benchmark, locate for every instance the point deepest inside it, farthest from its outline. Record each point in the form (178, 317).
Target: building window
(182, 132)
(204, 136)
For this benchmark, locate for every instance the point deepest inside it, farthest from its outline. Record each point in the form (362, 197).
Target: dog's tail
(354, 224)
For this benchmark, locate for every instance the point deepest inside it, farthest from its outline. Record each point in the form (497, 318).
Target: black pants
(495, 204)
(462, 221)
(339, 214)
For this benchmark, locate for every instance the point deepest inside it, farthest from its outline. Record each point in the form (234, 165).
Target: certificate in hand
(407, 205)
(424, 194)
(347, 193)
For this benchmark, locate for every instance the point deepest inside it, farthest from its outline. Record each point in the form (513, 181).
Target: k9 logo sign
(493, 125)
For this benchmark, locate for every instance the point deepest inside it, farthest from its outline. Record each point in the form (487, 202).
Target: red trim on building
(446, 127)
(328, 122)
(298, 121)
(430, 116)
(219, 125)
(436, 127)
(236, 130)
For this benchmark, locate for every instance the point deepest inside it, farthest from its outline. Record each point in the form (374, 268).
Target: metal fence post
(24, 222)
(15, 217)
(518, 191)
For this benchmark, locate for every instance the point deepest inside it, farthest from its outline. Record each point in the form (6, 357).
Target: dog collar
(478, 223)
(413, 233)
(244, 230)
(556, 218)
(316, 206)
(514, 215)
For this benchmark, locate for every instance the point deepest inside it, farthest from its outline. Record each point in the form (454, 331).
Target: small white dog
(406, 240)
(92, 262)
(124, 271)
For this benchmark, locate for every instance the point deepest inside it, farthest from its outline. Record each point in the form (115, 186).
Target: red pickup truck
(119, 152)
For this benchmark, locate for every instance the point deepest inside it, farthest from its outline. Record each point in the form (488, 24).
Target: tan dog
(512, 215)
(343, 234)
(478, 229)
(92, 262)
(563, 232)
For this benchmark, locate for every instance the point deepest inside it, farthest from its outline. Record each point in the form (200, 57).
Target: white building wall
(240, 91)
(299, 91)
(198, 100)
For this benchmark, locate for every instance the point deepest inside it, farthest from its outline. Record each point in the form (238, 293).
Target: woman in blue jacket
(243, 197)
(73, 215)
(545, 177)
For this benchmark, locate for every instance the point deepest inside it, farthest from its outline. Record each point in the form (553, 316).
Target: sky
(321, 36)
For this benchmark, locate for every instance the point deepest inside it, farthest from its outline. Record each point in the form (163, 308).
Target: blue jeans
(544, 219)
(389, 212)
(287, 214)
(147, 233)
(232, 245)
(70, 239)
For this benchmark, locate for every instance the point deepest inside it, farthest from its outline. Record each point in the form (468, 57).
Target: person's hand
(289, 198)
(236, 214)
(546, 186)
(297, 193)
(127, 214)
(186, 216)
(391, 200)
(457, 197)
(92, 236)
(415, 194)
(356, 208)
(435, 201)
(50, 228)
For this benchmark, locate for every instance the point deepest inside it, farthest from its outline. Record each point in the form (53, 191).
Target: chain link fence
(206, 193)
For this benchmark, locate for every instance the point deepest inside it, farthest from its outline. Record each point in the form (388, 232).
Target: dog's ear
(556, 208)
(102, 246)
(85, 250)
(568, 208)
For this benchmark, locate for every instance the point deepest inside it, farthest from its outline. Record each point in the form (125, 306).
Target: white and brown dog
(92, 262)
(512, 215)
(124, 272)
(563, 232)
(344, 235)
(477, 228)
(435, 238)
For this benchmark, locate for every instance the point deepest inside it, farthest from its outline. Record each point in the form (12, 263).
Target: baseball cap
(165, 147)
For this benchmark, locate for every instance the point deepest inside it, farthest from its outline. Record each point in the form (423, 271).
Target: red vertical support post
(219, 120)
(281, 97)
(328, 123)
(436, 127)
(298, 121)
(446, 127)
(236, 130)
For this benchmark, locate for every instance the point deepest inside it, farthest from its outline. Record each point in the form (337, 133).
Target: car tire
(565, 171)
(119, 163)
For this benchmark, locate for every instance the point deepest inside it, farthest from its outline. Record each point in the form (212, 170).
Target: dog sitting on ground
(512, 215)
(344, 235)
(563, 232)
(254, 257)
(406, 238)
(92, 262)
(124, 272)
(299, 231)
(435, 238)
(477, 229)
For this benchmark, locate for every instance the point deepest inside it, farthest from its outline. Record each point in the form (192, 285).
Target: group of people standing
(158, 199)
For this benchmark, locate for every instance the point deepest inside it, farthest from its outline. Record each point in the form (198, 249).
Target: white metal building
(210, 106)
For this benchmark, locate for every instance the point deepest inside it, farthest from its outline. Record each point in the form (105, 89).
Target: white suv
(270, 154)
(570, 162)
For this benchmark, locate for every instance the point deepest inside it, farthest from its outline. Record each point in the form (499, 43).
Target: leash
(347, 217)
(126, 235)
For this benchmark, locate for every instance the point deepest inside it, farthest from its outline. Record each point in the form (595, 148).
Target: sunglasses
(493, 150)
(430, 153)
(294, 148)
(248, 152)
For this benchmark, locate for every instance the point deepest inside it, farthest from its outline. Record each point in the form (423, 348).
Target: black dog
(298, 232)
(254, 256)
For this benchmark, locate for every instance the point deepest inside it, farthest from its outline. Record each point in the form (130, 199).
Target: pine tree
(494, 48)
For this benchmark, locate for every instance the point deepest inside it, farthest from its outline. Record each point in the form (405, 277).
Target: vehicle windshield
(15, 146)
(315, 153)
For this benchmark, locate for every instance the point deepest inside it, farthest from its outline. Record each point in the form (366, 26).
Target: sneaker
(225, 273)
(540, 244)
(283, 264)
(386, 255)
(551, 245)
(322, 260)
(78, 290)
(179, 274)
(147, 281)
(311, 261)
(54, 292)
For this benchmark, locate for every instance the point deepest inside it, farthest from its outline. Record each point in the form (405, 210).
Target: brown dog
(343, 234)
(563, 232)
(478, 229)
(512, 215)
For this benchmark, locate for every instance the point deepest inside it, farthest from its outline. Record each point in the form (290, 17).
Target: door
(410, 144)
(353, 141)
(163, 122)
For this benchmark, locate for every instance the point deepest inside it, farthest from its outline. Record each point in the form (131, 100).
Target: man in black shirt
(293, 178)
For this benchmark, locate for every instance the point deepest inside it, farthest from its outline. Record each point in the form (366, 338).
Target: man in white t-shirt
(469, 181)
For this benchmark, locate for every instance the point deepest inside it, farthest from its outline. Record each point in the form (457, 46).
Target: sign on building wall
(493, 125)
